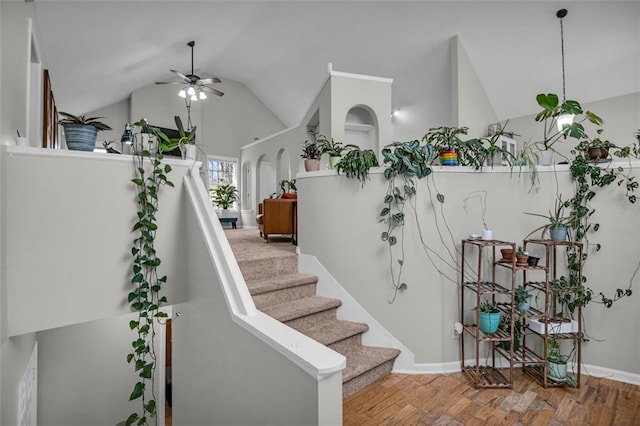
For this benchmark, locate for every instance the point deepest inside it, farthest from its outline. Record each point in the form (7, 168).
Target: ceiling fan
(194, 87)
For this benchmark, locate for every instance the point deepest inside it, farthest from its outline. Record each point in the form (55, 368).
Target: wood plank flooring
(449, 399)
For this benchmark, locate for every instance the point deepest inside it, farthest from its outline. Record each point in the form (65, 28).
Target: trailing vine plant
(590, 176)
(406, 162)
(145, 297)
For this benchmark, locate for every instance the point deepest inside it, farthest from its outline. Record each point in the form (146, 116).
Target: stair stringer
(351, 310)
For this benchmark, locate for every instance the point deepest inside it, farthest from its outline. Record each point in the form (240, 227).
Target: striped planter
(449, 158)
(80, 137)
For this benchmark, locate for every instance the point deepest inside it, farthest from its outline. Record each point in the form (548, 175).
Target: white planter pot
(545, 158)
(188, 151)
(557, 371)
(553, 327)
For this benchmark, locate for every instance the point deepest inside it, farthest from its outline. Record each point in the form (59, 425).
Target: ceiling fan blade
(210, 80)
(169, 82)
(182, 76)
(212, 90)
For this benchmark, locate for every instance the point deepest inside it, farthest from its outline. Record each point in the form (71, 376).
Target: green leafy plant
(488, 307)
(552, 109)
(288, 186)
(518, 332)
(311, 150)
(224, 195)
(331, 147)
(528, 157)
(145, 297)
(521, 295)
(471, 152)
(406, 162)
(492, 150)
(83, 119)
(555, 218)
(357, 162)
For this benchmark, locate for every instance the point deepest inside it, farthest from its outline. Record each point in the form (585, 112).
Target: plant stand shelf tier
(492, 374)
(540, 324)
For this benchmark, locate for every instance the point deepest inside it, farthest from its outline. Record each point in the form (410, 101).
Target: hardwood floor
(402, 399)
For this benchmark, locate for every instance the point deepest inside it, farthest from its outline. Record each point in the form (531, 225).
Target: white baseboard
(587, 370)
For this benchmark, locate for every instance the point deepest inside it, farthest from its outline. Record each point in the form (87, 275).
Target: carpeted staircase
(280, 291)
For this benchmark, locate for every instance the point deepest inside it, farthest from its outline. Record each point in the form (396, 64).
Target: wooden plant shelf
(499, 336)
(487, 287)
(486, 377)
(537, 373)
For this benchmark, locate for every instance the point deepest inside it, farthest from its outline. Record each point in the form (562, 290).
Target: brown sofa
(277, 216)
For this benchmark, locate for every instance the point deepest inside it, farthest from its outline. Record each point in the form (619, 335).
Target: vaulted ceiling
(100, 51)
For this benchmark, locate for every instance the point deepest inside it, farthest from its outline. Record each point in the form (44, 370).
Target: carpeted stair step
(275, 290)
(341, 336)
(366, 365)
(264, 263)
(304, 313)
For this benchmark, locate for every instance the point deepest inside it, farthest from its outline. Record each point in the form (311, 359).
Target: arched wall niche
(284, 165)
(361, 128)
(247, 182)
(266, 178)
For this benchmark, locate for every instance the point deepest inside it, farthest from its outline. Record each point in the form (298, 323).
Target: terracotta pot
(597, 153)
(289, 195)
(521, 259)
(507, 254)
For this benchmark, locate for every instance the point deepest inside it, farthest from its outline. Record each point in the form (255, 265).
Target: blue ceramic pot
(559, 233)
(80, 137)
(489, 322)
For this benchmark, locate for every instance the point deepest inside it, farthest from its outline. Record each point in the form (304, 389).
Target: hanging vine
(406, 161)
(145, 296)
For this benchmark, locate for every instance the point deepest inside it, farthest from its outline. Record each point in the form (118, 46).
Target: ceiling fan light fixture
(191, 91)
(203, 95)
(182, 93)
(194, 98)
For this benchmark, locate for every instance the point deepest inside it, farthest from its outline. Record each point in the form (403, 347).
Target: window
(222, 171)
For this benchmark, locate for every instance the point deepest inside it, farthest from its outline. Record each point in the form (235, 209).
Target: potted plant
(552, 109)
(522, 299)
(334, 149)
(518, 331)
(224, 196)
(507, 254)
(311, 154)
(489, 317)
(446, 143)
(596, 149)
(557, 225)
(185, 142)
(521, 257)
(289, 189)
(557, 363)
(356, 163)
(493, 151)
(80, 131)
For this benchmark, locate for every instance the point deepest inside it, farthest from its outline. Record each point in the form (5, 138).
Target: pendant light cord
(561, 14)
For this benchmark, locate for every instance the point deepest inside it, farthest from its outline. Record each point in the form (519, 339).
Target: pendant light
(564, 119)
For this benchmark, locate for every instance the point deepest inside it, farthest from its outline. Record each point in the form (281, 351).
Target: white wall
(422, 316)
(84, 375)
(224, 375)
(348, 91)
(116, 116)
(18, 24)
(14, 29)
(73, 212)
(621, 117)
(471, 105)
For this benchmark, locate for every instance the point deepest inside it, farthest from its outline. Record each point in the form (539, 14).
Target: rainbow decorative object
(449, 158)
